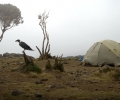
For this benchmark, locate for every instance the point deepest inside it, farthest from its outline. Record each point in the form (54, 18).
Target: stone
(38, 95)
(44, 79)
(17, 92)
(12, 55)
(38, 82)
(6, 54)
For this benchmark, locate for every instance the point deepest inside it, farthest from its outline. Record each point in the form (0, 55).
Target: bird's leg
(23, 50)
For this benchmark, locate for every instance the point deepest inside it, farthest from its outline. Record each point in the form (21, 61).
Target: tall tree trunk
(47, 36)
(43, 46)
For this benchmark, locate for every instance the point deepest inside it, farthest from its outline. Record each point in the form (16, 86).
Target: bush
(48, 65)
(32, 68)
(58, 66)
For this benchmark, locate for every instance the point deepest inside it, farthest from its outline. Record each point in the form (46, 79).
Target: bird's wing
(24, 45)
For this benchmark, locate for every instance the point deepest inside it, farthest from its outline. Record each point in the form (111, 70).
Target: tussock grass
(32, 68)
(108, 73)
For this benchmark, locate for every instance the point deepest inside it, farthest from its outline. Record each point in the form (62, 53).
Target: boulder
(6, 54)
(1, 56)
(16, 55)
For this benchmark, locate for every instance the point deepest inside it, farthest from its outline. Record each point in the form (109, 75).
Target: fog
(73, 25)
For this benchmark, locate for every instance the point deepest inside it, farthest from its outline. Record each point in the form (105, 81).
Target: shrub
(32, 68)
(48, 65)
(58, 66)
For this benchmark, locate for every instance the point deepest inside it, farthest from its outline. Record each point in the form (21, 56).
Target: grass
(62, 94)
(32, 75)
(84, 90)
(108, 73)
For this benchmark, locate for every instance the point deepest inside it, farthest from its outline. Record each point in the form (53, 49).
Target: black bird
(24, 45)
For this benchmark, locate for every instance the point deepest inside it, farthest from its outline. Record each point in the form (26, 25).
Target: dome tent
(103, 52)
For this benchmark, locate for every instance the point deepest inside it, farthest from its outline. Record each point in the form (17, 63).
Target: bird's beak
(16, 41)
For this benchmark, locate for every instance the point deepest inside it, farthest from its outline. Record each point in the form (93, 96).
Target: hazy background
(73, 25)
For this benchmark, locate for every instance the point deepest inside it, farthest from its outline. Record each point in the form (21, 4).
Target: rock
(8, 63)
(58, 77)
(21, 63)
(38, 82)
(16, 55)
(44, 79)
(51, 86)
(48, 90)
(110, 86)
(60, 86)
(72, 72)
(3, 66)
(1, 80)
(96, 89)
(41, 81)
(17, 92)
(6, 54)
(11, 55)
(38, 95)
(71, 84)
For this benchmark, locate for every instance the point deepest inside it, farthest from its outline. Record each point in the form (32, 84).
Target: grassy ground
(76, 83)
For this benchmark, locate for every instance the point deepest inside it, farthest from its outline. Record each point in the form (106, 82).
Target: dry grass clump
(108, 73)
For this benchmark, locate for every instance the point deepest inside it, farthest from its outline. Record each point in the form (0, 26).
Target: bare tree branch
(1, 37)
(48, 49)
(39, 50)
(42, 24)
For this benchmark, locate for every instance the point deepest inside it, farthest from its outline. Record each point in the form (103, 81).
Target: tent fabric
(103, 52)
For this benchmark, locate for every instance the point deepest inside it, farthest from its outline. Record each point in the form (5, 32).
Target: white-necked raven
(24, 45)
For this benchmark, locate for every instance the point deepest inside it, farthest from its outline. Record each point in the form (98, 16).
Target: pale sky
(73, 25)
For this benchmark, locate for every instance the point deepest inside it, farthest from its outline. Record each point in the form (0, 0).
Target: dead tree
(27, 59)
(45, 49)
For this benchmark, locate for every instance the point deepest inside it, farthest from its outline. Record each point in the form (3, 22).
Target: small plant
(48, 65)
(58, 65)
(32, 68)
